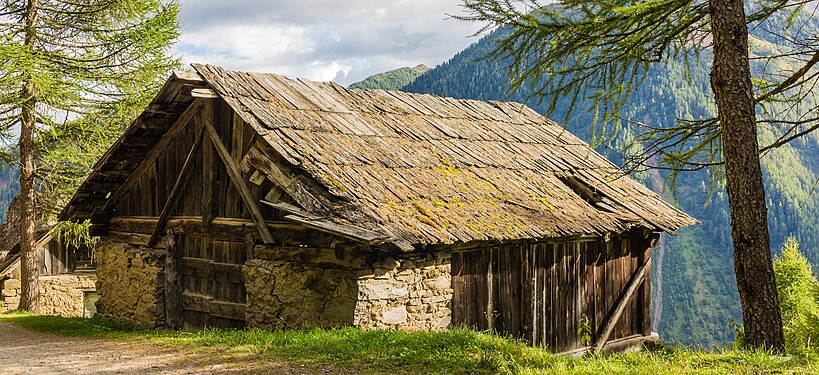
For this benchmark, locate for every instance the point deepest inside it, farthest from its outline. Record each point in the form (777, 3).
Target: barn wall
(295, 286)
(551, 293)
(130, 283)
(59, 295)
(64, 295)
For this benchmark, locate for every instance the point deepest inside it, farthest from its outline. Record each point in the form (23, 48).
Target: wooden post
(211, 185)
(236, 177)
(631, 288)
(250, 247)
(645, 258)
(173, 284)
(490, 306)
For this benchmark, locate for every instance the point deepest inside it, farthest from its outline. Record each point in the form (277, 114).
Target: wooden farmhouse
(245, 199)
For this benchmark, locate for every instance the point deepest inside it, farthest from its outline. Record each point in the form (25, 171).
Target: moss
(418, 206)
(440, 204)
(546, 203)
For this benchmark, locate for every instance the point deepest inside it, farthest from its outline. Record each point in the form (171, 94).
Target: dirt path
(26, 352)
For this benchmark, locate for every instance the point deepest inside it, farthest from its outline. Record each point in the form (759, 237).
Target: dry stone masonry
(62, 295)
(411, 292)
(130, 283)
(283, 294)
(407, 293)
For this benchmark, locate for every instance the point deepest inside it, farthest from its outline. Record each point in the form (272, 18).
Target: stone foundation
(62, 295)
(288, 295)
(10, 294)
(410, 292)
(130, 283)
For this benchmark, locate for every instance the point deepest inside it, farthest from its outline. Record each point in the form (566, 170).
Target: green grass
(451, 352)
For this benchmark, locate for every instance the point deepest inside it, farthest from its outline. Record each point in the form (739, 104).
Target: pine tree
(64, 59)
(798, 297)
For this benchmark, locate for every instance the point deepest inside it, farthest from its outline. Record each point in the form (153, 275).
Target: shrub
(798, 298)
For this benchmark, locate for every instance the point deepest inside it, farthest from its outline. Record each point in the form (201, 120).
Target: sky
(344, 41)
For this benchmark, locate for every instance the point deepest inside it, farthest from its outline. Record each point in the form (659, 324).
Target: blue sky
(344, 41)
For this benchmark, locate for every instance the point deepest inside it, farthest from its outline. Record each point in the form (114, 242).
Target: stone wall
(130, 283)
(411, 292)
(64, 294)
(283, 294)
(59, 294)
(407, 292)
(10, 294)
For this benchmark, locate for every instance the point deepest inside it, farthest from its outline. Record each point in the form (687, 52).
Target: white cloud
(323, 40)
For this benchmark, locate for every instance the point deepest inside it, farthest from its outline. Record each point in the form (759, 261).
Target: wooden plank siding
(551, 293)
(208, 192)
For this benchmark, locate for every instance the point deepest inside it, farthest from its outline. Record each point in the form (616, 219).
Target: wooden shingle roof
(432, 170)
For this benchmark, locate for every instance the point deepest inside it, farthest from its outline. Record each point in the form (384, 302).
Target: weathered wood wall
(551, 293)
(213, 292)
(208, 191)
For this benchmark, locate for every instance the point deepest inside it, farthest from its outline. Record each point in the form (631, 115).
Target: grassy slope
(451, 352)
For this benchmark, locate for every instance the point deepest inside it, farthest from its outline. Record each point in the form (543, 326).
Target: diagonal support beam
(173, 196)
(236, 177)
(631, 288)
(152, 155)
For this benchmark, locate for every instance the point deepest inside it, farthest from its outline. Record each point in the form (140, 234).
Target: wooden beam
(202, 92)
(223, 229)
(173, 196)
(628, 294)
(211, 182)
(236, 177)
(152, 155)
(291, 209)
(173, 286)
(345, 231)
(188, 77)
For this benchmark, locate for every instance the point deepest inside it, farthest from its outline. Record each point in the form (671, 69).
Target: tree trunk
(731, 82)
(29, 256)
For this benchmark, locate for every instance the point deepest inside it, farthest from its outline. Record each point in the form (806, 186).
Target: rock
(394, 316)
(376, 291)
(442, 282)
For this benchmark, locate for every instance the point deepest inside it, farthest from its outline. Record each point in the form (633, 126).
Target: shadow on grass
(454, 351)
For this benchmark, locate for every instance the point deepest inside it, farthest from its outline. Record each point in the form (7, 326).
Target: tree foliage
(71, 73)
(599, 52)
(94, 65)
(798, 298)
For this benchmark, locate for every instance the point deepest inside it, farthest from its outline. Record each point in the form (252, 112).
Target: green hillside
(699, 300)
(391, 80)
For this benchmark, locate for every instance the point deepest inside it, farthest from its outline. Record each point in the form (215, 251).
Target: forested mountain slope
(699, 300)
(391, 80)
(8, 188)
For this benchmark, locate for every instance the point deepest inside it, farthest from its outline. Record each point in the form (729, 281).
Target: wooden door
(213, 291)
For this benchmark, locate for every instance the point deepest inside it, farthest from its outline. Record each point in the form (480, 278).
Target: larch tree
(596, 52)
(64, 61)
